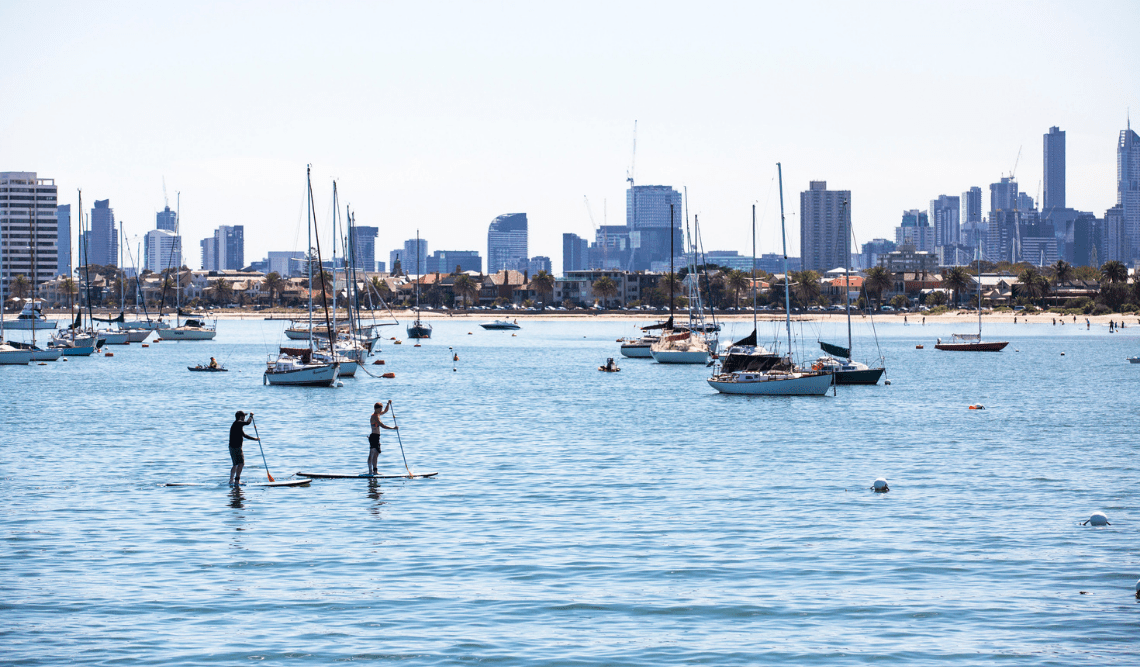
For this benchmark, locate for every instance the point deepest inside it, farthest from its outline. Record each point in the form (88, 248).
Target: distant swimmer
(213, 362)
(374, 437)
(236, 437)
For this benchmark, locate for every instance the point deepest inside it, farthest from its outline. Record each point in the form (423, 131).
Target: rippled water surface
(578, 517)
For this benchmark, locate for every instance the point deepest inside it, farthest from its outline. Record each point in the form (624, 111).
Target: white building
(162, 249)
(29, 228)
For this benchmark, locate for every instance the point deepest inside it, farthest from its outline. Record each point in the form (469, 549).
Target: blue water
(579, 518)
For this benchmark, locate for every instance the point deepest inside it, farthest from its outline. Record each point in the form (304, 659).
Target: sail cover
(120, 318)
(668, 324)
(835, 349)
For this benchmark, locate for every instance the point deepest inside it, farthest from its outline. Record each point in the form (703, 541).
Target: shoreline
(952, 317)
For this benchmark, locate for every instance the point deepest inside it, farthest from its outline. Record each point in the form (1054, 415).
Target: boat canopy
(749, 340)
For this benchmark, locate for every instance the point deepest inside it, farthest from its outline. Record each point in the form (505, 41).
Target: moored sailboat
(973, 342)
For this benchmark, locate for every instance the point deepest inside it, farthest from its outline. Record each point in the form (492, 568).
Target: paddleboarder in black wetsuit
(236, 437)
(374, 437)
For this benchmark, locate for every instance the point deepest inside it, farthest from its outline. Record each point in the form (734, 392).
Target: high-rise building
(285, 263)
(648, 221)
(915, 231)
(63, 240)
(1115, 237)
(446, 261)
(162, 250)
(1128, 188)
(1087, 237)
(1054, 194)
(103, 246)
(506, 242)
(407, 256)
(825, 227)
(166, 219)
(29, 226)
(575, 253)
(364, 248)
(874, 248)
(970, 217)
(1003, 196)
(944, 215)
(538, 263)
(611, 249)
(225, 250)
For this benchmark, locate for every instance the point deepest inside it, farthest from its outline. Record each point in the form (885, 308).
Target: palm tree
(806, 286)
(1114, 271)
(70, 290)
(543, 283)
(20, 286)
(465, 288)
(606, 288)
(1032, 284)
(737, 281)
(223, 291)
(877, 280)
(957, 278)
(274, 284)
(669, 280)
(1062, 272)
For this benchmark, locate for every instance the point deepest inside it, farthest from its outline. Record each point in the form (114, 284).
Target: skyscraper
(825, 231)
(166, 219)
(944, 213)
(407, 257)
(28, 226)
(103, 248)
(364, 248)
(225, 250)
(575, 253)
(970, 218)
(915, 231)
(446, 261)
(647, 221)
(162, 249)
(1128, 188)
(1054, 194)
(506, 242)
(538, 263)
(63, 240)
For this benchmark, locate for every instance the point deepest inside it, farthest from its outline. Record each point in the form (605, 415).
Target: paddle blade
(269, 476)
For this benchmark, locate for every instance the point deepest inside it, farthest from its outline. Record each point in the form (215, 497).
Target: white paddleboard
(332, 475)
(287, 482)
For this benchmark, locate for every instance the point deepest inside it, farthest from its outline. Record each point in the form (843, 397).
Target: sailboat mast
(35, 268)
(336, 213)
(787, 278)
(178, 269)
(847, 286)
(672, 278)
(309, 227)
(754, 268)
(979, 293)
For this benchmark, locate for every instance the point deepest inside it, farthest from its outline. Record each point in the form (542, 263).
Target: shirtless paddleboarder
(237, 435)
(374, 437)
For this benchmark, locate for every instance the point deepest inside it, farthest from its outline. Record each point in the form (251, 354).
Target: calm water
(579, 517)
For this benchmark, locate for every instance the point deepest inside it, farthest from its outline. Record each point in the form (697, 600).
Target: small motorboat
(609, 367)
(1135, 360)
(499, 325)
(206, 369)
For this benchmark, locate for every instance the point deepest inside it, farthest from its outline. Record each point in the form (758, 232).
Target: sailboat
(841, 365)
(678, 345)
(9, 355)
(74, 342)
(418, 329)
(289, 367)
(749, 368)
(973, 342)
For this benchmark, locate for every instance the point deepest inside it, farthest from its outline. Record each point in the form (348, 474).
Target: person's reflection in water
(236, 498)
(374, 494)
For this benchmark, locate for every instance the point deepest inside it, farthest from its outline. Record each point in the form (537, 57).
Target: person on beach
(374, 437)
(237, 436)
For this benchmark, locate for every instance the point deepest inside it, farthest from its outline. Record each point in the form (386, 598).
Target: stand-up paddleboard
(287, 482)
(318, 475)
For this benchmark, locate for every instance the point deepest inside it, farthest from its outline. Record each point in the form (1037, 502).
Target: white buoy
(880, 485)
(1097, 519)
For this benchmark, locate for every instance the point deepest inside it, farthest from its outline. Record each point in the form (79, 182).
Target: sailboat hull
(861, 376)
(806, 385)
(421, 331)
(680, 356)
(138, 335)
(996, 346)
(114, 337)
(180, 333)
(15, 357)
(324, 375)
(28, 325)
(636, 351)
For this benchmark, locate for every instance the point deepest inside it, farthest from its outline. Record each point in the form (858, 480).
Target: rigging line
(868, 311)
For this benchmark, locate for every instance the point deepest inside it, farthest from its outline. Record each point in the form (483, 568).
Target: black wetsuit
(236, 436)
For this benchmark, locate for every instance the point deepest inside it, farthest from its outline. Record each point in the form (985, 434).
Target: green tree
(606, 288)
(1031, 284)
(221, 292)
(805, 285)
(70, 290)
(543, 283)
(935, 298)
(1114, 271)
(878, 279)
(274, 284)
(465, 288)
(900, 301)
(737, 281)
(1062, 272)
(957, 279)
(20, 286)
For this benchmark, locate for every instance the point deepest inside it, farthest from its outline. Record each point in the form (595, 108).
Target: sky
(439, 116)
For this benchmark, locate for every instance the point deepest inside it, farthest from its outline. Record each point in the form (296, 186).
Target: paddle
(399, 439)
(254, 422)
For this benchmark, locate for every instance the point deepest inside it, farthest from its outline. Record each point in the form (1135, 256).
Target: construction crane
(165, 199)
(633, 159)
(605, 244)
(1013, 173)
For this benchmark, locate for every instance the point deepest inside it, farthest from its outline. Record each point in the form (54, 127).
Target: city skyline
(536, 133)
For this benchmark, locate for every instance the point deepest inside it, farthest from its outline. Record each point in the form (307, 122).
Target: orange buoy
(918, 347)
(417, 345)
(388, 375)
(399, 342)
(979, 406)
(145, 345)
(378, 362)
(470, 334)
(108, 354)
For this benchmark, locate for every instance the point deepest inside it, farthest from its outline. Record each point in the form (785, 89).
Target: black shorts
(236, 456)
(374, 441)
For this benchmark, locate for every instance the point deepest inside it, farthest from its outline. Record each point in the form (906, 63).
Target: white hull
(138, 335)
(317, 375)
(114, 337)
(184, 333)
(348, 369)
(28, 325)
(680, 356)
(147, 326)
(636, 351)
(804, 385)
(46, 355)
(13, 357)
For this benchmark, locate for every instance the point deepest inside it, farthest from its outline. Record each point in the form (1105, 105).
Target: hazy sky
(440, 116)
